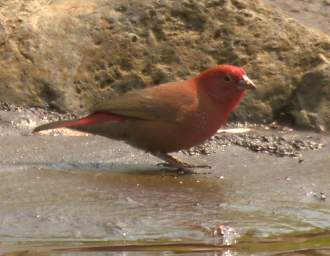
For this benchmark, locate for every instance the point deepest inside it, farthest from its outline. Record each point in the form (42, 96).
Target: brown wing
(165, 102)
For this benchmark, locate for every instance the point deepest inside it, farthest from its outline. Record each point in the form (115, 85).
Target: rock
(69, 54)
(311, 101)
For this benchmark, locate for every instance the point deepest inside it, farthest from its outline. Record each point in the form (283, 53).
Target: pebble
(274, 144)
(227, 235)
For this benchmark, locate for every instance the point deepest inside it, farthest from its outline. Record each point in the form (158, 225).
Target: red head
(225, 84)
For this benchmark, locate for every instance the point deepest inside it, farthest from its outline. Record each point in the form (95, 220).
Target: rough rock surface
(68, 54)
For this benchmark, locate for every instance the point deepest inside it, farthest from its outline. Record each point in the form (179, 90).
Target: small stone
(323, 197)
(228, 235)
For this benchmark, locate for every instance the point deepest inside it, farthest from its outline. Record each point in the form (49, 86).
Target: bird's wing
(160, 103)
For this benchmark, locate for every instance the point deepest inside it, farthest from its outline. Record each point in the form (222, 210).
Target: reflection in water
(98, 209)
(313, 243)
(103, 204)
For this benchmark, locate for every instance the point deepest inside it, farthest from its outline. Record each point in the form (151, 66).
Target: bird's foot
(179, 170)
(185, 165)
(164, 164)
(201, 166)
(183, 168)
(188, 168)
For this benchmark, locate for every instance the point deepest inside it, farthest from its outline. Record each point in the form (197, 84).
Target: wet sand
(92, 189)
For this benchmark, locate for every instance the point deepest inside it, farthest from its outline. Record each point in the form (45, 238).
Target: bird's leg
(174, 162)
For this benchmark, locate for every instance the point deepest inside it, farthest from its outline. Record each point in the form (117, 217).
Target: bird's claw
(202, 166)
(164, 165)
(179, 170)
(172, 162)
(184, 168)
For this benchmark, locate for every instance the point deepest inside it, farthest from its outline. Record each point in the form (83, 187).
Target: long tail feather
(54, 125)
(92, 119)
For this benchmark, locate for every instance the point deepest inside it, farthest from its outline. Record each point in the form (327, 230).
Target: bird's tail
(92, 119)
(54, 125)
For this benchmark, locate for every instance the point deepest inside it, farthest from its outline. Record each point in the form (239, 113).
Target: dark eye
(227, 78)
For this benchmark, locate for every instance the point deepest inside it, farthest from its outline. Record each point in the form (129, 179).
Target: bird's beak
(246, 83)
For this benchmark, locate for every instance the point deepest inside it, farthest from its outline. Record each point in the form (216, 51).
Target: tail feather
(92, 119)
(54, 125)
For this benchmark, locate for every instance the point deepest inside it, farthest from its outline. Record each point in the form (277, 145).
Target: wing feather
(160, 103)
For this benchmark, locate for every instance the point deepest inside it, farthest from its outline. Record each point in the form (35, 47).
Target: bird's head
(227, 77)
(225, 83)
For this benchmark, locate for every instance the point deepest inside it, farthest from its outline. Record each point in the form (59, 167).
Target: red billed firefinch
(168, 117)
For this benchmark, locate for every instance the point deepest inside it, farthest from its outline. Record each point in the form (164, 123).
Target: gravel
(272, 139)
(274, 144)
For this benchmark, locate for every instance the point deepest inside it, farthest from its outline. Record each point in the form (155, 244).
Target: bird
(169, 117)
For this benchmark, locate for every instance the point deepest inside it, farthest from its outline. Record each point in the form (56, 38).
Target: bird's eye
(227, 78)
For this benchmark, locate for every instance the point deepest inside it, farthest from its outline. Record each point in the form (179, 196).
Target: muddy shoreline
(275, 139)
(65, 193)
(64, 186)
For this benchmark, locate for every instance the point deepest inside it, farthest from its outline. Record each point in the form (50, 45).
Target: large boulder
(69, 54)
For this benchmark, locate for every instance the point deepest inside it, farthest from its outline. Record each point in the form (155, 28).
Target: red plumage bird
(168, 117)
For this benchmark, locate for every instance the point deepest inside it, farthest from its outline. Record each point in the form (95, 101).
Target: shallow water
(64, 196)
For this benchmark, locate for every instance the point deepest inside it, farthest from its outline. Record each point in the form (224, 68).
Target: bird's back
(164, 118)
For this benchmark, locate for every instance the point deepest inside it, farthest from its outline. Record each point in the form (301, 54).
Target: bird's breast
(204, 124)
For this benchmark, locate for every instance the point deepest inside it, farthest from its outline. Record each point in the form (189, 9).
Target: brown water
(77, 196)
